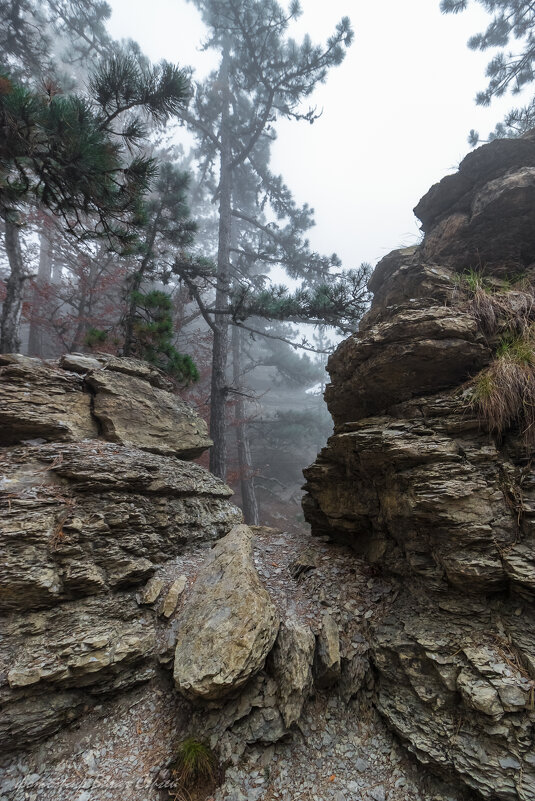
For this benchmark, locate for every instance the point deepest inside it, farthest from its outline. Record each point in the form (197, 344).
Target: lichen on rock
(229, 625)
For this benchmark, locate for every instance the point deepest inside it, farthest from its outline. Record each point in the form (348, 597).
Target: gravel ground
(341, 750)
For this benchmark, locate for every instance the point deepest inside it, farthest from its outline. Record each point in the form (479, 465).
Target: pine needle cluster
(73, 154)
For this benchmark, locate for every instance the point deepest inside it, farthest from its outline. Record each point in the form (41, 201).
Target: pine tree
(79, 158)
(38, 37)
(263, 76)
(507, 72)
(152, 335)
(169, 229)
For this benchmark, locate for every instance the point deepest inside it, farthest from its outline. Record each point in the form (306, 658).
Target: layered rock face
(96, 512)
(414, 480)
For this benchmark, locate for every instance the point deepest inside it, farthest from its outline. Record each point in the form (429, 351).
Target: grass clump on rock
(504, 393)
(499, 305)
(194, 768)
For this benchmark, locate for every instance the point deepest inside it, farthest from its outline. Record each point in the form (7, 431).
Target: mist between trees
(116, 239)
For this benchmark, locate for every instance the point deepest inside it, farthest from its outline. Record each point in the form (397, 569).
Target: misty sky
(396, 113)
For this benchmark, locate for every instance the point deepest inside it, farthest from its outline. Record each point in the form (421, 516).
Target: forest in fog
(120, 235)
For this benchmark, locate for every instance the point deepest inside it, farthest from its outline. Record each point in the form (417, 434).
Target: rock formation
(413, 479)
(108, 587)
(96, 509)
(229, 625)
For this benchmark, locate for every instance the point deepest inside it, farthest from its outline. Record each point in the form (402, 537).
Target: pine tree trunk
(245, 464)
(44, 273)
(84, 309)
(135, 285)
(12, 305)
(218, 390)
(77, 343)
(131, 313)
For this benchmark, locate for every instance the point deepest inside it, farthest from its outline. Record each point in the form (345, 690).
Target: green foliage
(506, 71)
(518, 349)
(153, 336)
(124, 81)
(195, 763)
(66, 153)
(267, 76)
(38, 37)
(95, 337)
(339, 301)
(148, 322)
(471, 279)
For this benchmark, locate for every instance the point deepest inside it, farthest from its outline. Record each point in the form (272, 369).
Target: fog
(392, 119)
(396, 113)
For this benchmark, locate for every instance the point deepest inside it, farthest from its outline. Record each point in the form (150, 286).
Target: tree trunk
(86, 302)
(130, 316)
(44, 273)
(81, 326)
(12, 306)
(135, 285)
(218, 390)
(245, 464)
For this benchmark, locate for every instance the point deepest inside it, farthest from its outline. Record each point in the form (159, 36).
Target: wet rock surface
(414, 482)
(88, 530)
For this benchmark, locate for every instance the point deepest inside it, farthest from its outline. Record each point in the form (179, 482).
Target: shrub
(195, 763)
(95, 337)
(153, 337)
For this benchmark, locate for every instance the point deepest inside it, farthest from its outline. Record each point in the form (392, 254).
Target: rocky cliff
(432, 481)
(135, 610)
(96, 509)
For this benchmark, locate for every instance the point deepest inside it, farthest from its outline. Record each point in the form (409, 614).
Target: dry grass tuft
(511, 311)
(504, 393)
(499, 305)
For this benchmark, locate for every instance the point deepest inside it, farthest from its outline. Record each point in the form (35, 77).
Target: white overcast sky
(396, 113)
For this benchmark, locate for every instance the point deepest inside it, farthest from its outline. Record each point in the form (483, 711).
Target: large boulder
(229, 624)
